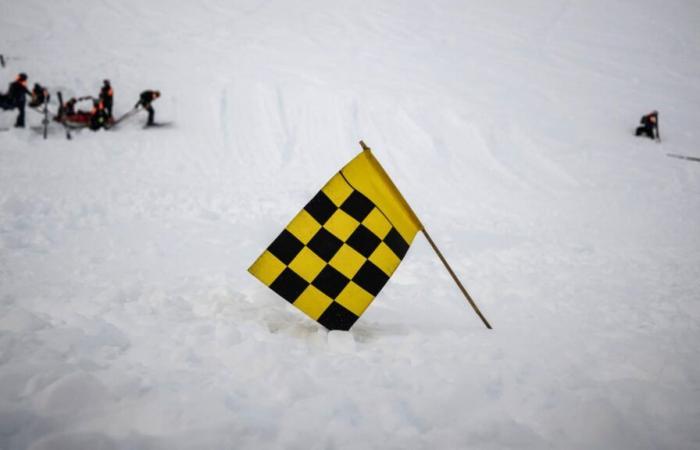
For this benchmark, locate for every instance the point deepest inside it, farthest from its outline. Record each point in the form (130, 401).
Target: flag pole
(454, 277)
(444, 262)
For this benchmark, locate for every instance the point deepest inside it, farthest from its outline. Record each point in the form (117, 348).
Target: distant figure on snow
(16, 98)
(649, 126)
(98, 116)
(107, 97)
(39, 95)
(69, 107)
(145, 100)
(69, 112)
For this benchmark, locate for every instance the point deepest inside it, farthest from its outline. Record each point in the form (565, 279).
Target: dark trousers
(151, 114)
(645, 131)
(19, 123)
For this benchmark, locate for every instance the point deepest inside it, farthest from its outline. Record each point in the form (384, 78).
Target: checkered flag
(340, 250)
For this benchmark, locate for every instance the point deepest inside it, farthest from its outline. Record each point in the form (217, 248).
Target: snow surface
(127, 317)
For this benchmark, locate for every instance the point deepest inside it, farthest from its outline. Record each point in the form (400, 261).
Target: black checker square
(364, 241)
(396, 243)
(289, 285)
(286, 247)
(320, 207)
(370, 278)
(357, 205)
(330, 282)
(324, 244)
(336, 317)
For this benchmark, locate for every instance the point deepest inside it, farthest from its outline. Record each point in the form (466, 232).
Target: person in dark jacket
(16, 94)
(145, 100)
(649, 126)
(69, 112)
(107, 97)
(39, 95)
(69, 107)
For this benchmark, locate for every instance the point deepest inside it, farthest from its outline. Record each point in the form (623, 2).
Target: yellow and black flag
(340, 250)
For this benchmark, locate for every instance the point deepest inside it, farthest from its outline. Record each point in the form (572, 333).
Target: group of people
(99, 113)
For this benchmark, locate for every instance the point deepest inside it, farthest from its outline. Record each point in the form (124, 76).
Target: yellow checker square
(313, 302)
(341, 225)
(337, 189)
(377, 223)
(347, 261)
(303, 226)
(307, 264)
(354, 298)
(267, 268)
(385, 259)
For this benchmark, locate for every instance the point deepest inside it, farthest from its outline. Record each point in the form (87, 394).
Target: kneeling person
(99, 116)
(649, 126)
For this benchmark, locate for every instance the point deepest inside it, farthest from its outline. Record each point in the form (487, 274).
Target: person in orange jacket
(98, 116)
(107, 97)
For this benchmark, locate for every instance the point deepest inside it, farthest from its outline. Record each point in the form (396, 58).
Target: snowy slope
(128, 321)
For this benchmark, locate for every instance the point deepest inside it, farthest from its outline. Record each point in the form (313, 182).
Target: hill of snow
(127, 317)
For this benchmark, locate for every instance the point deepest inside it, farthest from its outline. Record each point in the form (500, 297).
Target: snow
(127, 317)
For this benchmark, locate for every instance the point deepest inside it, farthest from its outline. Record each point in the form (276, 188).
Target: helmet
(105, 82)
(22, 76)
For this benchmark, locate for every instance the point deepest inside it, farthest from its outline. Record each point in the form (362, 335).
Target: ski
(60, 115)
(689, 158)
(45, 122)
(5, 59)
(158, 125)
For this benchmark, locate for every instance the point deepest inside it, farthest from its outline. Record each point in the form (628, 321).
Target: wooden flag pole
(444, 262)
(454, 277)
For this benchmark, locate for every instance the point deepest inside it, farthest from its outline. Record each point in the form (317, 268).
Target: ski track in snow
(127, 317)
